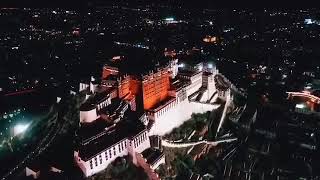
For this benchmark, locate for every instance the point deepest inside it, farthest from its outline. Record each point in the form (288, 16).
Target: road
(42, 146)
(20, 92)
(224, 113)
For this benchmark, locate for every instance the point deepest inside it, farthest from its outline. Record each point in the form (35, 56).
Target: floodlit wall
(124, 147)
(88, 116)
(102, 160)
(155, 88)
(176, 116)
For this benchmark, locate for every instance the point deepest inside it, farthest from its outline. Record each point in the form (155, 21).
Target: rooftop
(163, 103)
(145, 58)
(88, 130)
(177, 84)
(93, 101)
(112, 77)
(188, 73)
(116, 103)
(124, 129)
(152, 155)
(192, 59)
(207, 73)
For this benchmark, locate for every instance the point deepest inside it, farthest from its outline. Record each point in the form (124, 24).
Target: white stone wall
(140, 142)
(174, 68)
(196, 78)
(174, 116)
(178, 115)
(88, 116)
(114, 151)
(211, 84)
(30, 172)
(192, 88)
(153, 115)
(83, 87)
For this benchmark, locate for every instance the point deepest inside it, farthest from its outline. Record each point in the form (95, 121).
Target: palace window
(96, 161)
(106, 153)
(100, 159)
(91, 165)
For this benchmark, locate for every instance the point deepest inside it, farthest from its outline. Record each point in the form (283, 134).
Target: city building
(210, 39)
(308, 99)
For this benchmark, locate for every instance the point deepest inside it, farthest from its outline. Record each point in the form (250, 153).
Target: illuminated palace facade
(122, 110)
(112, 127)
(166, 92)
(155, 88)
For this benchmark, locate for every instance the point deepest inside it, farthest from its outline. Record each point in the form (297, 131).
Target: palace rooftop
(120, 131)
(138, 62)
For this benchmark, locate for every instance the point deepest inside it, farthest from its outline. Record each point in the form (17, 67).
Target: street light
(20, 128)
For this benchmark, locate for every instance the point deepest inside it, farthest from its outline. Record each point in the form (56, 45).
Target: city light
(181, 65)
(169, 19)
(140, 81)
(308, 21)
(20, 128)
(308, 87)
(200, 68)
(300, 106)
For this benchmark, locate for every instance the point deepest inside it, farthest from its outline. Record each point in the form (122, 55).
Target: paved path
(171, 144)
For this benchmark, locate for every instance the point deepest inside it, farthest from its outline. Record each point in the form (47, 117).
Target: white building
(95, 154)
(89, 109)
(109, 129)
(173, 68)
(193, 92)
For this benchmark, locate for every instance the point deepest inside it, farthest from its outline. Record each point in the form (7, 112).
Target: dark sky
(86, 3)
(194, 4)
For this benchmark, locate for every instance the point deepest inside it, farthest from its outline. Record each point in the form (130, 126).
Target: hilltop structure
(125, 108)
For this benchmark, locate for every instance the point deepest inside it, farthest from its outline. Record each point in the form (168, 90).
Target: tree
(184, 165)
(121, 169)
